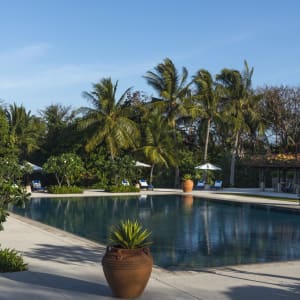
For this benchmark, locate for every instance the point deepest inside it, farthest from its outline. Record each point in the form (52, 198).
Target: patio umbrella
(140, 164)
(35, 168)
(208, 166)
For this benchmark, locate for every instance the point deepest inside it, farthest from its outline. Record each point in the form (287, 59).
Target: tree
(280, 110)
(158, 146)
(25, 130)
(172, 90)
(11, 189)
(67, 167)
(61, 134)
(235, 92)
(106, 121)
(206, 97)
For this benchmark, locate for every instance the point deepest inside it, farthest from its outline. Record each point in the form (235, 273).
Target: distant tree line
(221, 119)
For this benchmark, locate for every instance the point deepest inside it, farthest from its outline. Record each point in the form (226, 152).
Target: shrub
(67, 168)
(55, 189)
(129, 235)
(187, 177)
(11, 261)
(122, 189)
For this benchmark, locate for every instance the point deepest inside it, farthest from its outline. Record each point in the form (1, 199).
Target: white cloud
(24, 54)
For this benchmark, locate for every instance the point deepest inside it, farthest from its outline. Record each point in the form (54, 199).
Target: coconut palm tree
(25, 129)
(106, 122)
(235, 92)
(158, 147)
(61, 135)
(206, 98)
(172, 90)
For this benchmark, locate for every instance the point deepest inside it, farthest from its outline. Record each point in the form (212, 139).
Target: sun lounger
(125, 182)
(200, 185)
(217, 185)
(144, 185)
(37, 186)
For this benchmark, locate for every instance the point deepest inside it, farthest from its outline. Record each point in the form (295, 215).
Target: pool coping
(284, 204)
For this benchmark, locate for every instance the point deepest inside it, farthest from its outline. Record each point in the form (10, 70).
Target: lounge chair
(37, 186)
(288, 187)
(144, 185)
(125, 182)
(200, 185)
(217, 185)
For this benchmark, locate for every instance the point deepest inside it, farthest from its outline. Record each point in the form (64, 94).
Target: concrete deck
(64, 266)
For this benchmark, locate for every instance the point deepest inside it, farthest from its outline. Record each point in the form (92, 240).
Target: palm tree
(206, 97)
(158, 147)
(25, 129)
(172, 90)
(235, 89)
(6, 147)
(106, 121)
(61, 135)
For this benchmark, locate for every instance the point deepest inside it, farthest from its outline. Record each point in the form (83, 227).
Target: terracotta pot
(127, 271)
(187, 185)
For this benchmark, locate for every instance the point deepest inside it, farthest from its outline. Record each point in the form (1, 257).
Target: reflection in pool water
(187, 232)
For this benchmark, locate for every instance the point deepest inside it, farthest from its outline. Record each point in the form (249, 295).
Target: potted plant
(187, 183)
(127, 263)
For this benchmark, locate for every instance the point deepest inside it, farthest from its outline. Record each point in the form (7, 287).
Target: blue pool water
(187, 232)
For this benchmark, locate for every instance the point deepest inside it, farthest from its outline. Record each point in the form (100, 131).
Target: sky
(53, 50)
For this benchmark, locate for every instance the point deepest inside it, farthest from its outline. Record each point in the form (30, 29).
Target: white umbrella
(35, 168)
(208, 166)
(140, 164)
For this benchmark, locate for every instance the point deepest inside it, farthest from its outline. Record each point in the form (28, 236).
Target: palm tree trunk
(206, 140)
(176, 179)
(177, 175)
(151, 173)
(233, 157)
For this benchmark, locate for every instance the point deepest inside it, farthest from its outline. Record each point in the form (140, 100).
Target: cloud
(24, 55)
(69, 74)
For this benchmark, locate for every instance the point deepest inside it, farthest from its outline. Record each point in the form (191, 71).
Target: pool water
(187, 232)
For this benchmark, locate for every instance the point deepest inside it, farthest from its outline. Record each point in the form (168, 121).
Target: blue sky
(52, 51)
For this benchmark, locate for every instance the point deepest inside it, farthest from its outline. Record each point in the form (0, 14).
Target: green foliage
(218, 116)
(122, 189)
(187, 177)
(102, 171)
(25, 130)
(11, 190)
(63, 189)
(96, 164)
(68, 168)
(106, 122)
(11, 261)
(129, 235)
(187, 161)
(61, 135)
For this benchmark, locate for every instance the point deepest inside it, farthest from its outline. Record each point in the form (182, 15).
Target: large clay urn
(127, 271)
(187, 185)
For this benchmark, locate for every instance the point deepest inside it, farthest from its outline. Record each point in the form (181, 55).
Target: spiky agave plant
(129, 235)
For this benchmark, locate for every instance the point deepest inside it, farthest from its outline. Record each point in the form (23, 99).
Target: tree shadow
(238, 271)
(259, 292)
(66, 254)
(47, 280)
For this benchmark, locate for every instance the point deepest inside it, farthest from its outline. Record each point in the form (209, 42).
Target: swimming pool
(187, 232)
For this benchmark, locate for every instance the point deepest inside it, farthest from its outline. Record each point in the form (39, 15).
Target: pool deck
(64, 266)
